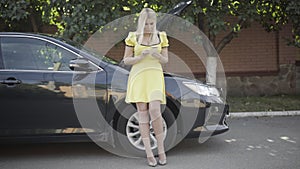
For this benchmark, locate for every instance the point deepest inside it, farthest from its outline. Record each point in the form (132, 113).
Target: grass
(264, 103)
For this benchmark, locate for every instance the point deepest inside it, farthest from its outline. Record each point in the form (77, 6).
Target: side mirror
(80, 65)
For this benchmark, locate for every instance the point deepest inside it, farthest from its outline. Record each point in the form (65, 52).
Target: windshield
(102, 57)
(88, 50)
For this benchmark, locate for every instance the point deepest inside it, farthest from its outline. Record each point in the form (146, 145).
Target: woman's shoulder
(131, 39)
(164, 39)
(163, 33)
(131, 34)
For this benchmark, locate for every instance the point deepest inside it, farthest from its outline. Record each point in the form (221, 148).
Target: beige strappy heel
(157, 124)
(145, 134)
(162, 159)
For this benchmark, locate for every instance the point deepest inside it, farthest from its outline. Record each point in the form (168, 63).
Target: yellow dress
(146, 80)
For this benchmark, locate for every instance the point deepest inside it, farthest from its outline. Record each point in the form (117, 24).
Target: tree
(211, 16)
(277, 13)
(79, 19)
(22, 15)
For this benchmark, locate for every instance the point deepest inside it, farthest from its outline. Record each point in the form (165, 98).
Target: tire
(127, 125)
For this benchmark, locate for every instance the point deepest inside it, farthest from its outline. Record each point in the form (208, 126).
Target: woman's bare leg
(157, 124)
(145, 131)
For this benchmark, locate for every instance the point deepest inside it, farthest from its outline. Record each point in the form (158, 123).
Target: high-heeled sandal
(152, 163)
(162, 162)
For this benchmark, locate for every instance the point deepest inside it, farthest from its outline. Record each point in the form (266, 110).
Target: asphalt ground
(251, 143)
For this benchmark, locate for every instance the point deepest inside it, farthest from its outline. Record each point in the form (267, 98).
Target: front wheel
(129, 136)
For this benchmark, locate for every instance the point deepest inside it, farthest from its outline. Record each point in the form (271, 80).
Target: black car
(43, 86)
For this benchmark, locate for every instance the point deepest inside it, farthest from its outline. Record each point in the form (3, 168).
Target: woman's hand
(155, 53)
(162, 57)
(145, 53)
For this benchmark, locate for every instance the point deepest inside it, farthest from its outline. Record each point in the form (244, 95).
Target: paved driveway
(252, 143)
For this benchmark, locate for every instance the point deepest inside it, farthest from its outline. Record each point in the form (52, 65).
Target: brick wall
(252, 51)
(287, 54)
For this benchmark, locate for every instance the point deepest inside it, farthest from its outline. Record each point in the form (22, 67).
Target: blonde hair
(146, 13)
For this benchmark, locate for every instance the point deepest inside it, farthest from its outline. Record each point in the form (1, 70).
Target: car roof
(24, 33)
(41, 35)
(20, 33)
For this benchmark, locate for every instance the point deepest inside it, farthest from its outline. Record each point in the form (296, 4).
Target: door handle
(11, 81)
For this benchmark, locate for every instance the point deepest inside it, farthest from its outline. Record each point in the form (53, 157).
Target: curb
(264, 113)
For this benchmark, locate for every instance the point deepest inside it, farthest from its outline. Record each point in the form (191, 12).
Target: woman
(146, 49)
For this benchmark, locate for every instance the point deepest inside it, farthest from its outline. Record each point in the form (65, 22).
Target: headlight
(202, 89)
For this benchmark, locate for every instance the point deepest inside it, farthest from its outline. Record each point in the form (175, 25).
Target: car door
(36, 93)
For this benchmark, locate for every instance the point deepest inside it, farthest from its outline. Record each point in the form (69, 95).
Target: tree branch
(227, 39)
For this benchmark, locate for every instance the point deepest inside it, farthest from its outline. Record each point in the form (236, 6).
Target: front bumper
(210, 120)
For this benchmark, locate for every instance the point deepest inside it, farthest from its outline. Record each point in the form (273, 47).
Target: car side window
(34, 54)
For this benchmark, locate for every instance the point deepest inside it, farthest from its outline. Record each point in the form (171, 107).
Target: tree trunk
(211, 70)
(211, 62)
(33, 21)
